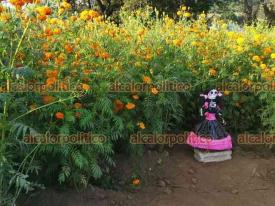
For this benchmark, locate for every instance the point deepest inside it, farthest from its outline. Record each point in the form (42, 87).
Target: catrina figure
(210, 134)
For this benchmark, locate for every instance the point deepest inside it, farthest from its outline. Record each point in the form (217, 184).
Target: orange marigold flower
(85, 87)
(50, 81)
(73, 18)
(154, 90)
(87, 71)
(146, 79)
(47, 99)
(93, 14)
(141, 125)
(119, 105)
(17, 3)
(52, 73)
(42, 17)
(44, 10)
(105, 55)
(63, 86)
(69, 48)
(56, 31)
(59, 115)
(1, 8)
(136, 182)
(47, 56)
(135, 96)
(130, 106)
(212, 72)
(267, 50)
(77, 105)
(60, 59)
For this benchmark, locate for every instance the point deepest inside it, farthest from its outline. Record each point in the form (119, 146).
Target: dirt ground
(174, 178)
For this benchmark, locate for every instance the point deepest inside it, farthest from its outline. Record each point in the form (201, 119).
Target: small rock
(191, 171)
(92, 188)
(100, 195)
(150, 169)
(166, 154)
(167, 191)
(159, 161)
(130, 197)
(193, 186)
(161, 183)
(194, 180)
(167, 182)
(121, 182)
(235, 191)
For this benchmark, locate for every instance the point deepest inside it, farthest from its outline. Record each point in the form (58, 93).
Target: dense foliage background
(82, 53)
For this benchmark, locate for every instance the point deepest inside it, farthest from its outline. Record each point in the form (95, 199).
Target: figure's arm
(203, 95)
(220, 115)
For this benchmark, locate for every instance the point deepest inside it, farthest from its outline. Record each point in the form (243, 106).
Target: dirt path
(176, 179)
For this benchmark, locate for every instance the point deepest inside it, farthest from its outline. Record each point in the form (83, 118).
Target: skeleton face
(212, 94)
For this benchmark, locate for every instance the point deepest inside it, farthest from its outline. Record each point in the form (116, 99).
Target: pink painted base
(209, 144)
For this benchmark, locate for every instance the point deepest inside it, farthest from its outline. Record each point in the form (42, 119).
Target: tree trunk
(248, 12)
(101, 6)
(269, 11)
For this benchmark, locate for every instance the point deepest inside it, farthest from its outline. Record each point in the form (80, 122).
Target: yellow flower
(187, 14)
(263, 66)
(138, 64)
(212, 72)
(202, 15)
(256, 58)
(130, 106)
(5, 16)
(84, 15)
(183, 8)
(239, 49)
(141, 125)
(194, 43)
(179, 13)
(205, 62)
(272, 56)
(65, 5)
(226, 92)
(240, 40)
(61, 11)
(177, 42)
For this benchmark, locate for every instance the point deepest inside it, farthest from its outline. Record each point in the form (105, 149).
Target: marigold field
(81, 55)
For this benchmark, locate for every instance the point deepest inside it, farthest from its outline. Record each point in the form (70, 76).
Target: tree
(269, 10)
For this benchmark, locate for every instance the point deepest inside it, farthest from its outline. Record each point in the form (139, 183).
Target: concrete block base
(212, 156)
